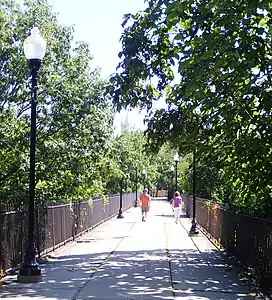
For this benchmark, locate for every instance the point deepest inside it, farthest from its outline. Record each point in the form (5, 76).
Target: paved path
(130, 259)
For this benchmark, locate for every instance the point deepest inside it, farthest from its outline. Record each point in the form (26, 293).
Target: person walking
(145, 202)
(176, 205)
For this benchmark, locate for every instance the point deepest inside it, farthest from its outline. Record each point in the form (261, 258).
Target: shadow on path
(141, 274)
(171, 216)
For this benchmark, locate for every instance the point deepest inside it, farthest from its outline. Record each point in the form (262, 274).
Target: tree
(74, 117)
(212, 63)
(131, 153)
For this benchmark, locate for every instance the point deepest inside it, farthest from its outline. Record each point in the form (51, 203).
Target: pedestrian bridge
(130, 259)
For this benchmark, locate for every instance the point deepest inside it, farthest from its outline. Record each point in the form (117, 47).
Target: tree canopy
(78, 155)
(211, 62)
(74, 118)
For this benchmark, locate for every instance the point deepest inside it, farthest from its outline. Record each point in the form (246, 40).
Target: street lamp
(120, 213)
(144, 175)
(176, 160)
(193, 229)
(172, 169)
(34, 49)
(136, 188)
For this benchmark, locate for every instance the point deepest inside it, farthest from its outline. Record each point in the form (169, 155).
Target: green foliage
(212, 63)
(74, 118)
(130, 155)
(77, 154)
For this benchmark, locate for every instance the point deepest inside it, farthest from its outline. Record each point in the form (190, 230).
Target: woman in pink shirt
(176, 205)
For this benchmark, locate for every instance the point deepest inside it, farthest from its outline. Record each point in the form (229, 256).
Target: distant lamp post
(176, 160)
(136, 188)
(193, 229)
(34, 49)
(120, 213)
(144, 177)
(172, 169)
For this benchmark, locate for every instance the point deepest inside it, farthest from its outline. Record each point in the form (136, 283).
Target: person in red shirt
(144, 202)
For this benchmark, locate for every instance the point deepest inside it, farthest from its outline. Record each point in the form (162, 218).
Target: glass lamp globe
(35, 45)
(176, 157)
(172, 168)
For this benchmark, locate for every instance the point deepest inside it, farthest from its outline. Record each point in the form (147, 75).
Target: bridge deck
(130, 259)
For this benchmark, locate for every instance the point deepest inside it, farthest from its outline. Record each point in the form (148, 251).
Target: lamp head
(34, 45)
(176, 158)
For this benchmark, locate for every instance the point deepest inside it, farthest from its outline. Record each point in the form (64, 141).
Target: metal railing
(54, 225)
(247, 238)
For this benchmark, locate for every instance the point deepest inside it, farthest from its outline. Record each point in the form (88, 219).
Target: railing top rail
(95, 199)
(13, 212)
(225, 208)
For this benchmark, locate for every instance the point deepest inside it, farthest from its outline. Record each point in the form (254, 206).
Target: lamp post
(34, 49)
(172, 169)
(136, 189)
(176, 160)
(120, 213)
(144, 177)
(193, 229)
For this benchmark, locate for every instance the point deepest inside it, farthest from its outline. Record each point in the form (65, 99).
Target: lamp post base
(120, 214)
(193, 229)
(30, 273)
(29, 278)
(136, 203)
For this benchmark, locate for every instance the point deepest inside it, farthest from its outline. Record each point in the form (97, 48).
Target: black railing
(247, 238)
(55, 225)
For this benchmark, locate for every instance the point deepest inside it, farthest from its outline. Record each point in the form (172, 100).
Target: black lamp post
(176, 160)
(172, 169)
(120, 213)
(136, 189)
(193, 229)
(144, 178)
(34, 49)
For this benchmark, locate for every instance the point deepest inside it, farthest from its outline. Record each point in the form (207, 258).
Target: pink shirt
(177, 201)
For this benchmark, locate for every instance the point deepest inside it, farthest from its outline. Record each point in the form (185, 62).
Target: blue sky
(98, 22)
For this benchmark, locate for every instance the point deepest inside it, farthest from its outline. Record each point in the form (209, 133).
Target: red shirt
(145, 199)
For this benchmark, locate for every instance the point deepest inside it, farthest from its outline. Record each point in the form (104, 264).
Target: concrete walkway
(130, 259)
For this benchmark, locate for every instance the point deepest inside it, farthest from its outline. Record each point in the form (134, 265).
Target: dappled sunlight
(200, 269)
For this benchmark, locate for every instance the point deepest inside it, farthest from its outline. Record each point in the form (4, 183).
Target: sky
(98, 22)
